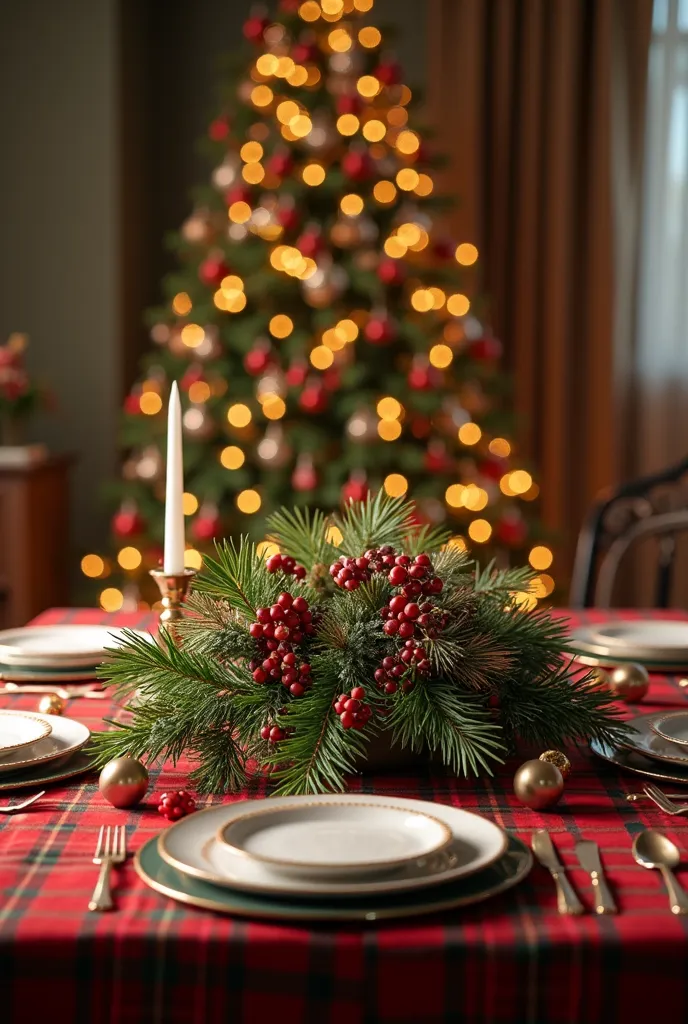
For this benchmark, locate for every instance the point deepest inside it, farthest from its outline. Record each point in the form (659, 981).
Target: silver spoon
(652, 849)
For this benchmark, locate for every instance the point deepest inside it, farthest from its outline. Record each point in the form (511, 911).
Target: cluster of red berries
(353, 713)
(278, 630)
(390, 675)
(174, 806)
(285, 564)
(349, 573)
(272, 733)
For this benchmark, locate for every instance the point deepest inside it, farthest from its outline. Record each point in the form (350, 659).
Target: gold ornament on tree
(123, 782)
(538, 784)
(629, 683)
(52, 704)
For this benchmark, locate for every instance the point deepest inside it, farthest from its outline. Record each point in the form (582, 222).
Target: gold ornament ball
(538, 784)
(629, 683)
(51, 704)
(123, 782)
(599, 678)
(560, 760)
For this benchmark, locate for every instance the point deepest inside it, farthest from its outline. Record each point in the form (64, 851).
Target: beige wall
(58, 225)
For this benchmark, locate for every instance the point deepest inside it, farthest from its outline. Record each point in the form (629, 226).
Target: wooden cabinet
(34, 542)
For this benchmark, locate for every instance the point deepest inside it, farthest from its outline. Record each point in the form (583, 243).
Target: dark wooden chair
(654, 506)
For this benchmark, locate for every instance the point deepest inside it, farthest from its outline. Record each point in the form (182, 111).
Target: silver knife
(588, 854)
(543, 848)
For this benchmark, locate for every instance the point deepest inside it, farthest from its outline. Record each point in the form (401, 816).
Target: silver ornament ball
(123, 781)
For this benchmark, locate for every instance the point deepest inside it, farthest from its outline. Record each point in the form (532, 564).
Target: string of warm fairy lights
(380, 118)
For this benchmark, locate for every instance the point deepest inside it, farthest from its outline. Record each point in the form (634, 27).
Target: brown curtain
(539, 104)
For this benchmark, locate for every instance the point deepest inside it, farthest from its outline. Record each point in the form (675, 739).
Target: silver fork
(111, 848)
(662, 800)
(13, 808)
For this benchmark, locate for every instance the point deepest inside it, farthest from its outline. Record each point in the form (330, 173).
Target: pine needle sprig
(238, 576)
(425, 539)
(374, 522)
(302, 534)
(438, 718)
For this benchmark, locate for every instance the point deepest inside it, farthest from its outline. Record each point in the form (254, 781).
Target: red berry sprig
(285, 564)
(279, 629)
(174, 806)
(349, 573)
(353, 712)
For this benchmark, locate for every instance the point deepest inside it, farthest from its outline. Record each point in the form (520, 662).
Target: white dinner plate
(646, 741)
(666, 638)
(672, 727)
(191, 846)
(334, 839)
(59, 647)
(66, 738)
(587, 645)
(19, 729)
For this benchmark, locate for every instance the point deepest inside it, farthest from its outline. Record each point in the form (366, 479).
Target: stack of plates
(658, 747)
(55, 653)
(332, 857)
(38, 748)
(659, 644)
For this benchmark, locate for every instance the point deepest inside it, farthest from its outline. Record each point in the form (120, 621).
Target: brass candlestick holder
(173, 587)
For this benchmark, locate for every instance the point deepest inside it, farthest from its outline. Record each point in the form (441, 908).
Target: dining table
(510, 960)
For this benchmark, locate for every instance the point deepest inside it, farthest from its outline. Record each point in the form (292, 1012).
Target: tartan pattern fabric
(511, 960)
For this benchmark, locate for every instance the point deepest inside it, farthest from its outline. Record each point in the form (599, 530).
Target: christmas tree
(323, 326)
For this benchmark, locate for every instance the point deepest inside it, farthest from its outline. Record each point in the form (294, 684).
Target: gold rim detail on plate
(318, 866)
(615, 755)
(47, 729)
(341, 914)
(68, 773)
(652, 755)
(54, 756)
(215, 879)
(656, 722)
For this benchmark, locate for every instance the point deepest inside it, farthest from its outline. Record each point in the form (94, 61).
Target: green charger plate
(511, 869)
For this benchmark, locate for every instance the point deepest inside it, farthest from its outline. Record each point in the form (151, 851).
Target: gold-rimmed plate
(650, 744)
(334, 839)
(21, 729)
(191, 846)
(510, 869)
(633, 761)
(55, 771)
(672, 727)
(590, 646)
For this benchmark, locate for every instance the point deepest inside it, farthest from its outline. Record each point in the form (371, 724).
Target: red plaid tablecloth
(513, 959)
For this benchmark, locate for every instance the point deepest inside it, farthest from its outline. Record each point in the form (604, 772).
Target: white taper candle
(173, 561)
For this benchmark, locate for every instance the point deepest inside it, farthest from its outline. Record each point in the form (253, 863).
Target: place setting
(660, 645)
(61, 654)
(37, 748)
(332, 857)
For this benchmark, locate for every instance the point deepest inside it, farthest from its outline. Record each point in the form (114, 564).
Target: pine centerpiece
(290, 664)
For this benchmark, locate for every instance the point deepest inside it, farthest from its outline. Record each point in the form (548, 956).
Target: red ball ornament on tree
(313, 399)
(437, 458)
(192, 376)
(296, 375)
(486, 349)
(254, 28)
(280, 163)
(305, 53)
(512, 530)
(304, 477)
(493, 469)
(355, 489)
(212, 270)
(443, 249)
(357, 165)
(237, 194)
(391, 271)
(289, 6)
(132, 405)
(288, 217)
(388, 72)
(379, 330)
(310, 243)
(348, 104)
(206, 526)
(331, 379)
(127, 523)
(218, 130)
(419, 378)
(257, 360)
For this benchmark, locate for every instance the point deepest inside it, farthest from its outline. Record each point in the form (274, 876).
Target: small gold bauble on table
(599, 678)
(560, 760)
(629, 683)
(123, 782)
(538, 784)
(51, 704)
